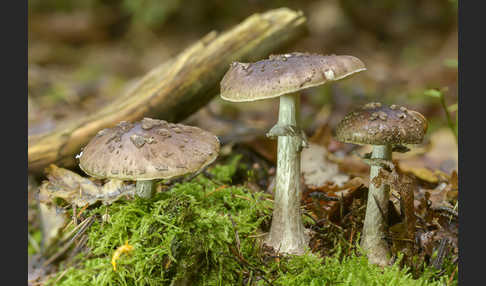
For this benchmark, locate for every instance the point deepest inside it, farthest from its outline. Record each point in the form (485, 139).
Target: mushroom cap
(377, 124)
(147, 150)
(282, 74)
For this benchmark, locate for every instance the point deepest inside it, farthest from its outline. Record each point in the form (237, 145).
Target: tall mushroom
(282, 76)
(382, 127)
(148, 150)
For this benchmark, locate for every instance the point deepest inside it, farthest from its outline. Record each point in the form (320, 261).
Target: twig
(76, 228)
(77, 248)
(82, 210)
(67, 245)
(75, 218)
(448, 210)
(237, 237)
(399, 239)
(242, 197)
(215, 190)
(452, 276)
(448, 116)
(437, 263)
(60, 276)
(258, 235)
(244, 263)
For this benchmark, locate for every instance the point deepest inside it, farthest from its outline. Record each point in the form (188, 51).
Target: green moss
(351, 270)
(34, 242)
(225, 173)
(186, 236)
(183, 230)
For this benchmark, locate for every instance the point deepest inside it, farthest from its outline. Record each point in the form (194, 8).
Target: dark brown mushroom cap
(282, 74)
(377, 124)
(149, 149)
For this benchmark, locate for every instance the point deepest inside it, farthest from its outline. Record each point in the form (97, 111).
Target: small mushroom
(384, 128)
(282, 76)
(148, 150)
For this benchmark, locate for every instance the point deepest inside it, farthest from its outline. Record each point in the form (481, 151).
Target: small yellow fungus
(124, 248)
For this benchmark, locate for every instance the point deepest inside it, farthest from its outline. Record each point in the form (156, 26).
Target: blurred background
(82, 54)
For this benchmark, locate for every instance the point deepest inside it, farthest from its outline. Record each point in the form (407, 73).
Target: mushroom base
(287, 230)
(145, 189)
(374, 227)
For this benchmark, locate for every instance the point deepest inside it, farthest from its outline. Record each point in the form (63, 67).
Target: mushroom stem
(373, 242)
(144, 189)
(287, 230)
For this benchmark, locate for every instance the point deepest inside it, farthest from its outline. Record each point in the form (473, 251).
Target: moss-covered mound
(205, 233)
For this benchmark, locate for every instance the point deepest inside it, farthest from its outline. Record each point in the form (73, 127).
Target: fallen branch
(175, 89)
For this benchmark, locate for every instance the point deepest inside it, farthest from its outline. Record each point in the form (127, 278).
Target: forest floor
(209, 229)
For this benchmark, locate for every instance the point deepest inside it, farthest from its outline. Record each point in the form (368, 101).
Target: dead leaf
(421, 173)
(352, 165)
(453, 188)
(325, 201)
(52, 221)
(430, 240)
(322, 136)
(441, 154)
(438, 196)
(79, 190)
(317, 170)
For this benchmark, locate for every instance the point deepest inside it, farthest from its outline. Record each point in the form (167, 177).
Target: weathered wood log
(176, 88)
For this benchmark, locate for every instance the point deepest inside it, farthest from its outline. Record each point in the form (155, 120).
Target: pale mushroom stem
(144, 189)
(287, 230)
(374, 228)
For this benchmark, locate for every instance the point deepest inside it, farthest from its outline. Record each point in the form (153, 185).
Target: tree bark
(176, 88)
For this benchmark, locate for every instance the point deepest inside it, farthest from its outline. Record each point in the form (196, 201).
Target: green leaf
(451, 63)
(433, 93)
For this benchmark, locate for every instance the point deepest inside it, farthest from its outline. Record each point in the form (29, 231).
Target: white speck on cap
(329, 74)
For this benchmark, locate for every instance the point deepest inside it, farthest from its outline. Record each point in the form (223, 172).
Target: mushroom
(148, 150)
(282, 76)
(385, 128)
